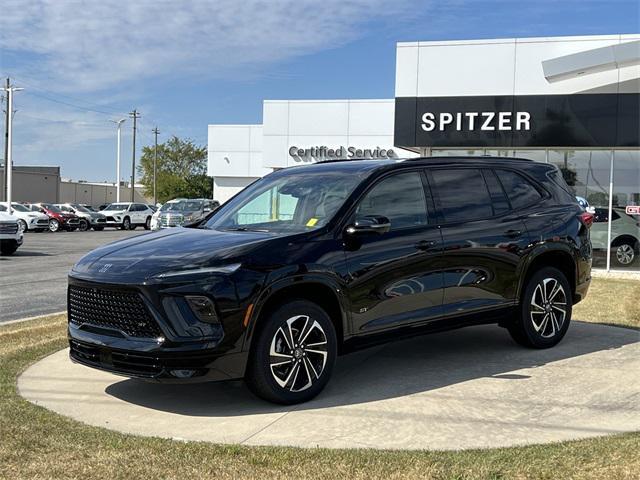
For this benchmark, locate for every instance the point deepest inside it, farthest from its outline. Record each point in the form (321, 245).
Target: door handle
(426, 244)
(513, 233)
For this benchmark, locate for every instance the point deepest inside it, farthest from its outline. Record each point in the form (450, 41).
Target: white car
(11, 235)
(27, 220)
(127, 215)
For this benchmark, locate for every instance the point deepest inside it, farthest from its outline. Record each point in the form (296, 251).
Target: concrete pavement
(469, 388)
(33, 281)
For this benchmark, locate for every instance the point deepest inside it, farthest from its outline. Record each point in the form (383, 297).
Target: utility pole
(8, 165)
(155, 164)
(6, 146)
(119, 124)
(135, 115)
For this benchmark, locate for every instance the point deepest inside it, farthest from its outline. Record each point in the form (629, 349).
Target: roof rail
(469, 157)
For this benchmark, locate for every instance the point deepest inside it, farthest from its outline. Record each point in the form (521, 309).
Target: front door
(393, 277)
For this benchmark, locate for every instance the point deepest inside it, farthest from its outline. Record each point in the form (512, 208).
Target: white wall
(364, 124)
(226, 187)
(499, 67)
(235, 151)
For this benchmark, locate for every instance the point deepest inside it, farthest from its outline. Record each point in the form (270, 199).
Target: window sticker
(312, 222)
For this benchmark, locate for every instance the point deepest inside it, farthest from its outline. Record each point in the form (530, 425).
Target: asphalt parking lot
(33, 281)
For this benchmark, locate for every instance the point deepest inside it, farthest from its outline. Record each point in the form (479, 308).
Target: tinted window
(463, 194)
(498, 197)
(519, 190)
(400, 198)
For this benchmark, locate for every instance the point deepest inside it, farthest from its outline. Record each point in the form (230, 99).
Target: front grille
(101, 220)
(73, 221)
(43, 222)
(114, 309)
(143, 365)
(111, 219)
(171, 220)
(9, 228)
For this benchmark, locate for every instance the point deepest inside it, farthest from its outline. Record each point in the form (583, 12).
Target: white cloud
(95, 45)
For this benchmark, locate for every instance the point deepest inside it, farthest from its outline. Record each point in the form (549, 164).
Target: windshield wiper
(245, 229)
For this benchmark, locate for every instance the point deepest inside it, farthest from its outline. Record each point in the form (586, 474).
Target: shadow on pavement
(394, 370)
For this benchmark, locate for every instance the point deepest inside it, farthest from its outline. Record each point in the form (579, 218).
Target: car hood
(5, 217)
(136, 259)
(112, 212)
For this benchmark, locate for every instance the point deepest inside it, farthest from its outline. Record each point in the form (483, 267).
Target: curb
(20, 320)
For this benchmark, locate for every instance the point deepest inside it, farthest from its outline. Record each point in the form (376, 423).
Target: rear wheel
(545, 310)
(293, 354)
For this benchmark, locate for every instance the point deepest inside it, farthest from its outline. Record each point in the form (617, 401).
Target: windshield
(186, 206)
(117, 206)
(292, 203)
(52, 208)
(80, 208)
(19, 207)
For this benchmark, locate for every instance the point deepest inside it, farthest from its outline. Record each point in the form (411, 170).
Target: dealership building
(570, 101)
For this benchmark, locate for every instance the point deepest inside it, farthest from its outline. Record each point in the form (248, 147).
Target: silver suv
(177, 212)
(625, 235)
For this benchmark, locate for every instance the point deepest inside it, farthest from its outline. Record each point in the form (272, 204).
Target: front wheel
(83, 226)
(54, 225)
(147, 224)
(126, 223)
(545, 310)
(22, 225)
(293, 354)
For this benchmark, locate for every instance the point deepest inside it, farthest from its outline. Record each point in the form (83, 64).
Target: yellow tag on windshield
(312, 222)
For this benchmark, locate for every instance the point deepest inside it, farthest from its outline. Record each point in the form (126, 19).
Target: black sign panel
(578, 120)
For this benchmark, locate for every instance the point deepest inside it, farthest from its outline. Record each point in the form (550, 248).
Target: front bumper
(108, 330)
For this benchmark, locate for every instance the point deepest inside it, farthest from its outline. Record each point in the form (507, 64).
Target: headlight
(199, 271)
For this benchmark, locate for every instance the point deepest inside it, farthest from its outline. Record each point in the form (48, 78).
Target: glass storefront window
(625, 227)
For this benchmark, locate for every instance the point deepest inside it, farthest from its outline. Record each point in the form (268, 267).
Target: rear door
(483, 240)
(394, 278)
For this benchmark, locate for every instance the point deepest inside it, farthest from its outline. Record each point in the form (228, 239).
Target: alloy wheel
(298, 353)
(22, 225)
(625, 254)
(83, 226)
(54, 225)
(548, 307)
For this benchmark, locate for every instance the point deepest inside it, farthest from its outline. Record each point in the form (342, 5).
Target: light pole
(155, 164)
(119, 124)
(8, 165)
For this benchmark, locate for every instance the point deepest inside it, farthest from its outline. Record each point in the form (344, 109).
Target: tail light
(587, 219)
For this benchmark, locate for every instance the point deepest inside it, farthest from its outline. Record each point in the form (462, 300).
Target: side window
(463, 194)
(400, 198)
(601, 215)
(498, 197)
(520, 191)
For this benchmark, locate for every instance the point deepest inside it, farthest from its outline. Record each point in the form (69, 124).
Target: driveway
(468, 388)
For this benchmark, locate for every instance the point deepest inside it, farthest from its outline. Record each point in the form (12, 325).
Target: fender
(295, 280)
(550, 247)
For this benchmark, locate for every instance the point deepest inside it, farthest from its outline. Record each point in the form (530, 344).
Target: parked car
(625, 234)
(58, 220)
(177, 212)
(103, 206)
(11, 235)
(88, 207)
(88, 219)
(314, 261)
(127, 215)
(27, 220)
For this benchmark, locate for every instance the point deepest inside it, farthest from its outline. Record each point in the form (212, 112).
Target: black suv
(314, 261)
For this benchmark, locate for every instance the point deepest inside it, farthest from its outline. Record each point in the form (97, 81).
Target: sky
(184, 65)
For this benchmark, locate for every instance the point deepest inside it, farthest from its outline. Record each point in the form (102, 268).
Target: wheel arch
(561, 259)
(322, 291)
(620, 239)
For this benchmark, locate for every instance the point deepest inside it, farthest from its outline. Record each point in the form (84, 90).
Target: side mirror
(370, 224)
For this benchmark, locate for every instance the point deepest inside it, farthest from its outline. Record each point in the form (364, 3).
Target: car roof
(360, 166)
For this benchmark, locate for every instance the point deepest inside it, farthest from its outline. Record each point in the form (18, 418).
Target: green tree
(181, 170)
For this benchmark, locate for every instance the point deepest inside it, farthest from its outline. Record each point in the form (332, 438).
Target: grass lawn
(36, 443)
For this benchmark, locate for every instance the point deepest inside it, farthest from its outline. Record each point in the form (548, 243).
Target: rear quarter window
(520, 191)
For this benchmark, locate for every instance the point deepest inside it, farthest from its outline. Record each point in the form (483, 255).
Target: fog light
(183, 373)
(203, 308)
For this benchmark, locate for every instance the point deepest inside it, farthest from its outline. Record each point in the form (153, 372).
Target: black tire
(22, 225)
(625, 253)
(83, 226)
(147, 224)
(314, 368)
(540, 323)
(8, 247)
(54, 225)
(73, 229)
(126, 223)
(98, 229)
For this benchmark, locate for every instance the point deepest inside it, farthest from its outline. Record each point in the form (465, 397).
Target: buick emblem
(104, 268)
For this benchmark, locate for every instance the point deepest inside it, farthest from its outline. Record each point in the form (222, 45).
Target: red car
(57, 218)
